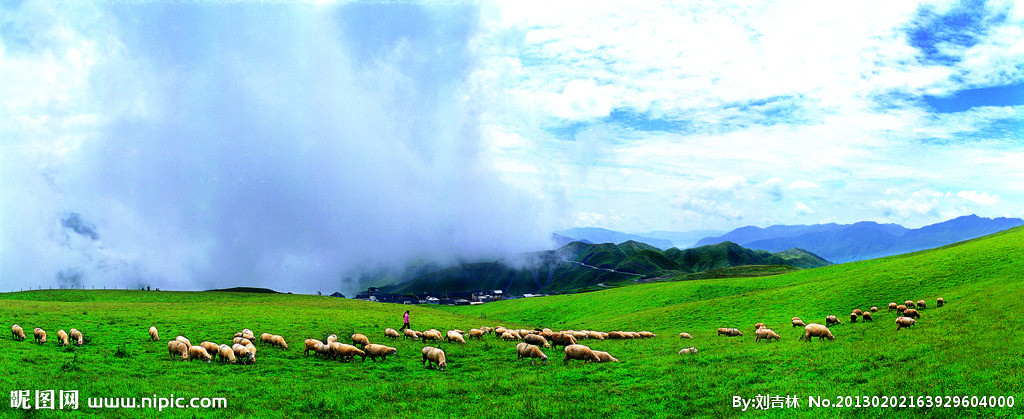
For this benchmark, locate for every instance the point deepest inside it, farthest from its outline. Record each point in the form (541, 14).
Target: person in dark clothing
(406, 318)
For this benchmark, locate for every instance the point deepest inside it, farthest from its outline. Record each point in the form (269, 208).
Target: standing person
(406, 318)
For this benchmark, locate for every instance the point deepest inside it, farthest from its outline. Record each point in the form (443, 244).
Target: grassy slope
(970, 347)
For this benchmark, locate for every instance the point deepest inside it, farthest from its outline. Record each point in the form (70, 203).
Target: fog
(297, 148)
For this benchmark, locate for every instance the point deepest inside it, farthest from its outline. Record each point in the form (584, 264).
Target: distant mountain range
(842, 243)
(580, 266)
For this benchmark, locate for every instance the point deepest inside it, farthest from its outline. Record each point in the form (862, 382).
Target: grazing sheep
(198, 352)
(499, 330)
(605, 357)
(76, 336)
(374, 350)
(360, 339)
(797, 322)
(595, 335)
(322, 349)
(647, 335)
(432, 355)
(867, 317)
(412, 334)
(455, 336)
(242, 354)
(486, 329)
(40, 335)
(248, 335)
(533, 352)
(211, 348)
(432, 335)
(815, 330)
(241, 341)
(537, 340)
(237, 335)
(310, 345)
(579, 352)
(331, 338)
(183, 339)
(939, 302)
(226, 354)
(17, 332)
(177, 349)
(729, 332)
(909, 303)
(767, 335)
(153, 336)
(874, 309)
(391, 333)
(831, 319)
(685, 335)
(690, 350)
(910, 312)
(853, 317)
(505, 336)
(476, 333)
(62, 338)
(252, 352)
(561, 339)
(617, 334)
(758, 325)
(904, 322)
(921, 304)
(265, 337)
(580, 335)
(346, 352)
(892, 306)
(278, 341)
(900, 309)
(858, 311)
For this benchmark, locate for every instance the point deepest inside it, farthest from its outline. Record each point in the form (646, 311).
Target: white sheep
(605, 357)
(40, 335)
(434, 356)
(374, 350)
(815, 330)
(76, 336)
(198, 352)
(62, 338)
(226, 354)
(766, 334)
(184, 340)
(533, 352)
(17, 332)
(454, 336)
(153, 336)
(690, 350)
(685, 335)
(177, 349)
(310, 345)
(580, 352)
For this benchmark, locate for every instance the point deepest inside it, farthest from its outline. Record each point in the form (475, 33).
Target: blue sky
(309, 142)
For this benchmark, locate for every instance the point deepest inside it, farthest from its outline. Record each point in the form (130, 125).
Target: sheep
(488, 329)
(455, 336)
(499, 330)
(904, 322)
(758, 325)
(767, 335)
(815, 330)
(892, 306)
(360, 339)
(618, 335)
(252, 352)
(265, 337)
(900, 309)
(246, 333)
(729, 332)
(939, 302)
(476, 333)
(867, 317)
(346, 352)
(832, 319)
(237, 335)
(853, 317)
(595, 335)
(183, 339)
(62, 338)
(909, 303)
(310, 345)
(646, 335)
(605, 357)
(225, 354)
(412, 334)
(391, 333)
(322, 349)
(537, 340)
(685, 335)
(40, 335)
(432, 335)
(604, 336)
(75, 336)
(579, 352)
(17, 332)
(561, 339)
(910, 312)
(508, 335)
(874, 309)
(241, 341)
(432, 355)
(858, 311)
(690, 350)
(533, 352)
(797, 322)
(515, 334)
(374, 350)
(212, 348)
(280, 342)
(242, 353)
(176, 349)
(153, 336)
(921, 304)
(331, 338)
(580, 335)
(198, 352)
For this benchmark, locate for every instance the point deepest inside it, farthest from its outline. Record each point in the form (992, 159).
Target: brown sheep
(646, 335)
(75, 336)
(17, 332)
(900, 309)
(346, 352)
(561, 339)
(252, 353)
(595, 335)
(242, 354)
(798, 323)
(921, 304)
(184, 340)
(874, 309)
(331, 338)
(278, 341)
(939, 302)
(526, 350)
(909, 303)
(620, 335)
(867, 317)
(454, 336)
(225, 354)
(605, 357)
(767, 335)
(391, 333)
(904, 322)
(360, 339)
(815, 330)
(892, 306)
(432, 355)
(910, 312)
(729, 332)
(476, 333)
(211, 348)
(310, 345)
(62, 338)
(411, 334)
(579, 352)
(322, 349)
(432, 335)
(685, 335)
(831, 319)
(537, 340)
(853, 317)
(758, 326)
(374, 351)
(153, 336)
(40, 335)
(177, 349)
(198, 352)
(858, 311)
(265, 338)
(507, 335)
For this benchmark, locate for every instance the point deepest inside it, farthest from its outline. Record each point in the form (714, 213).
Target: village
(451, 298)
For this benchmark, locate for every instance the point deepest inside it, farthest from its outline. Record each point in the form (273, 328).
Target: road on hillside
(601, 269)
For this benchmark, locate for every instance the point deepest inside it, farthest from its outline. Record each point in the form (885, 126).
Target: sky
(298, 146)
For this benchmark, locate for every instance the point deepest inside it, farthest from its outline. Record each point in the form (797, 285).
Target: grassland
(970, 347)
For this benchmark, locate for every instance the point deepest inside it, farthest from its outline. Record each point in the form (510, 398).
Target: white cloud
(803, 184)
(802, 208)
(581, 100)
(982, 198)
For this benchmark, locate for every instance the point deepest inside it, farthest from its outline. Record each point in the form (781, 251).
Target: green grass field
(971, 347)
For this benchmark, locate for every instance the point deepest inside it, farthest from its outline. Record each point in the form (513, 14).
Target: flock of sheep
(243, 350)
(63, 338)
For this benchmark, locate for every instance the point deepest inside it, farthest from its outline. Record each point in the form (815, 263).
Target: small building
(338, 295)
